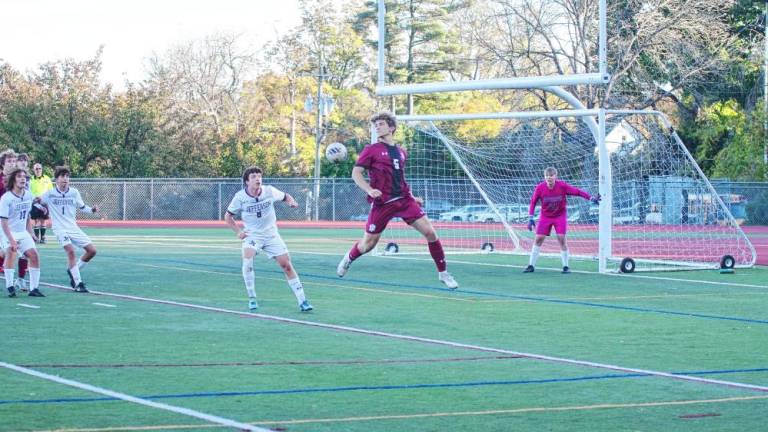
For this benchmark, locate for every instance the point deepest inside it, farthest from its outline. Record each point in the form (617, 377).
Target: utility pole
(318, 136)
(765, 87)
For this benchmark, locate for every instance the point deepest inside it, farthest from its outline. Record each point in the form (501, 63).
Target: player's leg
(9, 273)
(73, 271)
(378, 219)
(249, 251)
(543, 228)
(561, 227)
(22, 272)
(425, 228)
(26, 247)
(284, 261)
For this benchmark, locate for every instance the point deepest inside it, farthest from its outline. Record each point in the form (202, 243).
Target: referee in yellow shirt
(38, 185)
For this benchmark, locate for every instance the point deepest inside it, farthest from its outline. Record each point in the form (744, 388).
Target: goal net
(477, 177)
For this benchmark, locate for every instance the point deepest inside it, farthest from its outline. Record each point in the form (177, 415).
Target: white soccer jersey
(257, 213)
(62, 207)
(16, 209)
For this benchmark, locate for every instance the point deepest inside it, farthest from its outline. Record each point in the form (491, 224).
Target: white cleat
(448, 280)
(343, 266)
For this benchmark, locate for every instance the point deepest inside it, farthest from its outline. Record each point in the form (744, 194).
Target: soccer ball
(336, 152)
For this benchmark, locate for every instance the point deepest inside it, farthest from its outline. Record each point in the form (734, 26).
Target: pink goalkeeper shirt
(553, 201)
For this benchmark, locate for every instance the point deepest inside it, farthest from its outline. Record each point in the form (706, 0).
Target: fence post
(333, 199)
(125, 193)
(151, 199)
(219, 215)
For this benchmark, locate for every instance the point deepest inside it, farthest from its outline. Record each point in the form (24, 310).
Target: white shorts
(24, 242)
(273, 246)
(72, 237)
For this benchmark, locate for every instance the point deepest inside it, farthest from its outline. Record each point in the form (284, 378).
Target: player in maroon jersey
(553, 194)
(390, 197)
(7, 164)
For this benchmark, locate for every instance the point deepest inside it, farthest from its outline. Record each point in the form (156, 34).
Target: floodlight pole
(318, 139)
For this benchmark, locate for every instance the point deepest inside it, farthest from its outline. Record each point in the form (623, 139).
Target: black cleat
(11, 292)
(36, 293)
(528, 269)
(81, 288)
(71, 279)
(566, 269)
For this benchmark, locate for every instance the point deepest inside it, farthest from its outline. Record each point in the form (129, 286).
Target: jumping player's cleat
(528, 269)
(448, 280)
(566, 269)
(11, 292)
(81, 288)
(343, 266)
(71, 279)
(305, 306)
(252, 305)
(36, 293)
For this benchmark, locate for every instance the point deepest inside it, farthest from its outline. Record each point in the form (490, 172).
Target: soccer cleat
(528, 269)
(447, 279)
(81, 288)
(11, 291)
(252, 305)
(566, 269)
(36, 293)
(343, 266)
(305, 306)
(71, 279)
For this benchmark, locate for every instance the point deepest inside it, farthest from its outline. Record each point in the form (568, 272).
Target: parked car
(433, 208)
(511, 213)
(463, 214)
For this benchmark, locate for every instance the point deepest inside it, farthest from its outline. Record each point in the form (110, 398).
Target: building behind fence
(339, 198)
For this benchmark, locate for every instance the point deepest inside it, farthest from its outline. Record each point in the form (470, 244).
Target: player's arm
(31, 228)
(230, 220)
(532, 209)
(7, 231)
(359, 179)
(573, 190)
(84, 208)
(288, 199)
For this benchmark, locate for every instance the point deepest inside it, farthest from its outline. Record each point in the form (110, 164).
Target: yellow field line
(430, 415)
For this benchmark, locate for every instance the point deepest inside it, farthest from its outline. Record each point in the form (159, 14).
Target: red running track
(758, 235)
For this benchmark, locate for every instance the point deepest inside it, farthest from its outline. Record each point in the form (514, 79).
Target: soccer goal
(477, 177)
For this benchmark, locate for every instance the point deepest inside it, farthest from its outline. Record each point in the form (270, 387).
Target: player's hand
(374, 193)
(419, 201)
(531, 224)
(13, 245)
(95, 209)
(242, 234)
(290, 201)
(596, 199)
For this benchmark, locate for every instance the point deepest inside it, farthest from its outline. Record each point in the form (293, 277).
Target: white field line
(179, 410)
(438, 342)
(29, 306)
(104, 304)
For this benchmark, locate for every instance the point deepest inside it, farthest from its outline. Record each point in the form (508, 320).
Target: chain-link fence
(339, 199)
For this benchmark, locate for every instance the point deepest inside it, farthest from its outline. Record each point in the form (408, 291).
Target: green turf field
(393, 352)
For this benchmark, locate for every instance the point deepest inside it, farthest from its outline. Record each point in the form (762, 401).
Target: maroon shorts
(406, 208)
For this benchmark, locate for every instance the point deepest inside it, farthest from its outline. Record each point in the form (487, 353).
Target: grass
(293, 376)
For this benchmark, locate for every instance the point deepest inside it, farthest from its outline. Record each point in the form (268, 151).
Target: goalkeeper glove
(595, 199)
(531, 224)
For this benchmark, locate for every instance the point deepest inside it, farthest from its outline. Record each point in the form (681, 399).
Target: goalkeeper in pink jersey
(553, 194)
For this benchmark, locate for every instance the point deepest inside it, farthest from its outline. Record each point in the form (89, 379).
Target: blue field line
(463, 291)
(375, 388)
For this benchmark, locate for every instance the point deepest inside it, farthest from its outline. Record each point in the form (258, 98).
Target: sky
(36, 31)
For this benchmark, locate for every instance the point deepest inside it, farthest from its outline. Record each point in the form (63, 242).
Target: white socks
(9, 277)
(81, 264)
(75, 272)
(297, 289)
(34, 278)
(564, 257)
(249, 278)
(534, 255)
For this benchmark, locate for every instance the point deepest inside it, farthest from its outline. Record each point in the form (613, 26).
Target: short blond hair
(386, 116)
(550, 171)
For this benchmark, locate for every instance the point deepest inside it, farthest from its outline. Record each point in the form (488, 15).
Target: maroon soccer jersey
(386, 170)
